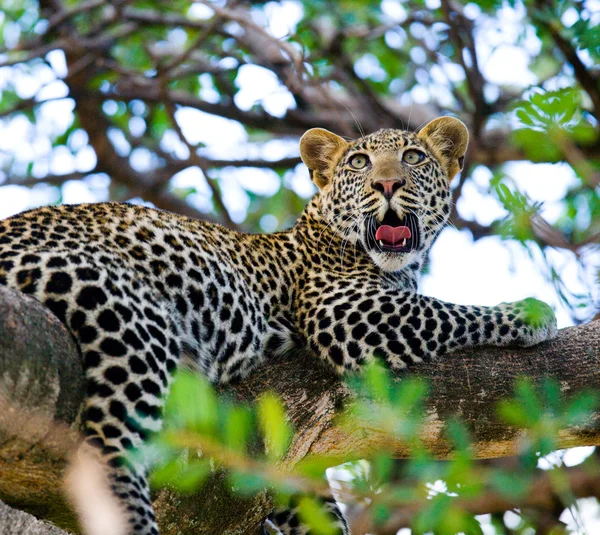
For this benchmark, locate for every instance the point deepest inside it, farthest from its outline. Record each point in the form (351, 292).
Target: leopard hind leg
(287, 521)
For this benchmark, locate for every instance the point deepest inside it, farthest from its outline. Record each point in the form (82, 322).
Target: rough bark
(41, 376)
(13, 522)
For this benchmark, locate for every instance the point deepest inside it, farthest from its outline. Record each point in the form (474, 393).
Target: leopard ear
(449, 138)
(320, 151)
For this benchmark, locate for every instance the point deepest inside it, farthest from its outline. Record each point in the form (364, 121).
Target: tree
(134, 75)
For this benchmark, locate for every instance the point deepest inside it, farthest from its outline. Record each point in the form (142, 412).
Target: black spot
(340, 332)
(151, 387)
(325, 322)
(27, 279)
(415, 322)
(173, 242)
(56, 262)
(87, 334)
(174, 281)
(353, 318)
(196, 297)
(124, 312)
(181, 305)
(430, 324)
(159, 353)
(94, 414)
(91, 297)
(359, 331)
(354, 350)
(110, 431)
(374, 317)
(59, 307)
(145, 409)
(91, 359)
(131, 339)
(98, 389)
(325, 339)
(77, 319)
(87, 274)
(59, 283)
(26, 259)
(394, 321)
(373, 339)
(366, 305)
(137, 365)
(109, 321)
(116, 375)
(238, 322)
(149, 313)
(173, 347)
(113, 347)
(337, 355)
(157, 335)
(133, 392)
(225, 314)
(387, 308)
(339, 311)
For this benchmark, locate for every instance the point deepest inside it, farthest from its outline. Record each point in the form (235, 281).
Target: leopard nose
(389, 187)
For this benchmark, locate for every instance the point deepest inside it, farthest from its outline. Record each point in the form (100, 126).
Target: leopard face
(388, 191)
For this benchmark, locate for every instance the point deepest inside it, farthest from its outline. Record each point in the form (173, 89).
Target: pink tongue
(392, 235)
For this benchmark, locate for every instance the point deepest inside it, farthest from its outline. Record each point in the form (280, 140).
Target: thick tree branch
(32, 457)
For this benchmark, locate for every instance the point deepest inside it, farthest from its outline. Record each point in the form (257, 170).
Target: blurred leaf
(274, 425)
(314, 515)
(511, 484)
(247, 483)
(192, 403)
(237, 428)
(185, 477)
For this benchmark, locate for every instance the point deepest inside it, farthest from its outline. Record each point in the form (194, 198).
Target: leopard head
(388, 191)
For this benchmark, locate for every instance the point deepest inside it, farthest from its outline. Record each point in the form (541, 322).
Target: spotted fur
(140, 287)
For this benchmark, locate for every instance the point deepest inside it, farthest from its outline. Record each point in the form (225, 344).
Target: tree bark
(13, 522)
(41, 376)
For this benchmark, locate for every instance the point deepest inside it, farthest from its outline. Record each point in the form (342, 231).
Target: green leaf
(185, 477)
(192, 403)
(274, 425)
(237, 428)
(314, 515)
(247, 483)
(377, 380)
(582, 408)
(511, 484)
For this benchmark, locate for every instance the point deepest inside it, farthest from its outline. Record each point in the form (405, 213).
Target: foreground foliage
(383, 494)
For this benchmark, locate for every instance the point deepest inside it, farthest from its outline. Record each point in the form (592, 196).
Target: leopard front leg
(348, 323)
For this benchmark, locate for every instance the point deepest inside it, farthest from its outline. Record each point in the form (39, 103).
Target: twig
(584, 76)
(582, 480)
(195, 160)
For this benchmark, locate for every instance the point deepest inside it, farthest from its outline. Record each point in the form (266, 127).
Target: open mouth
(393, 234)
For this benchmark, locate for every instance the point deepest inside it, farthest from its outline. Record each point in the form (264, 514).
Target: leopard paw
(535, 321)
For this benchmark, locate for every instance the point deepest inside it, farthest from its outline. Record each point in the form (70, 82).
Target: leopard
(140, 288)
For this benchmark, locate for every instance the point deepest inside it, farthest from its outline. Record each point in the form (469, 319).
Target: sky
(485, 272)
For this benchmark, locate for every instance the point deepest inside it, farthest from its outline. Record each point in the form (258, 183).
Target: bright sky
(485, 272)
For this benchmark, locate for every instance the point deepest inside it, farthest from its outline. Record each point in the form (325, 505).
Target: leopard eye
(359, 161)
(413, 156)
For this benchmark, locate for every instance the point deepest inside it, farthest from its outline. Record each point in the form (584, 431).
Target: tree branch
(581, 481)
(468, 384)
(583, 74)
